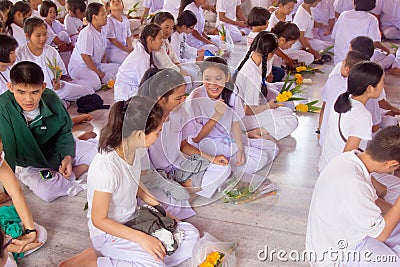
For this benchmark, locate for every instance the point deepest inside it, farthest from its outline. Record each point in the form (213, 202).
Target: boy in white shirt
(362, 24)
(228, 12)
(343, 215)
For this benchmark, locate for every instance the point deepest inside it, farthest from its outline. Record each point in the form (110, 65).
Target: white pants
(257, 152)
(201, 45)
(116, 55)
(391, 32)
(383, 59)
(279, 122)
(58, 186)
(235, 31)
(297, 54)
(319, 33)
(375, 248)
(213, 178)
(120, 252)
(90, 78)
(65, 56)
(73, 90)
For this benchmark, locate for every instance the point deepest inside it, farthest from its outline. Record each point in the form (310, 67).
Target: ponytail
(362, 75)
(137, 114)
(19, 6)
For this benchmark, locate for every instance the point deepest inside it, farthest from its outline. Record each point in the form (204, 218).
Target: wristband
(28, 231)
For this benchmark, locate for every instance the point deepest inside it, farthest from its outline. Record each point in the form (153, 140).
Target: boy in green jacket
(36, 132)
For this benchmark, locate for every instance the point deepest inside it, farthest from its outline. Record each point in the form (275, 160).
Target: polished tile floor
(277, 222)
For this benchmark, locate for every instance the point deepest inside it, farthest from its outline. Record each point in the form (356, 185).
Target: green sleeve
(8, 140)
(65, 144)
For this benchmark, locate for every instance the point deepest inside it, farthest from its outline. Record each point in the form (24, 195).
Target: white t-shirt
(166, 58)
(336, 69)
(73, 25)
(119, 30)
(61, 10)
(128, 77)
(4, 79)
(362, 24)
(356, 122)
(199, 27)
(343, 5)
(24, 53)
(227, 6)
(250, 38)
(19, 34)
(165, 153)
(202, 109)
(324, 11)
(110, 174)
(90, 42)
(342, 207)
(389, 11)
(172, 6)
(180, 47)
(334, 86)
(154, 5)
(304, 21)
(273, 20)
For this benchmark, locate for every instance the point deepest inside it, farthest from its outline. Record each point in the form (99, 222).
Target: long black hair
(221, 64)
(264, 43)
(125, 117)
(151, 30)
(19, 6)
(362, 75)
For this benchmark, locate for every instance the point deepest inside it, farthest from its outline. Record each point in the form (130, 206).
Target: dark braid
(151, 30)
(20, 6)
(264, 67)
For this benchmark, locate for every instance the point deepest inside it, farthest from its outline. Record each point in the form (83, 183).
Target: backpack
(89, 103)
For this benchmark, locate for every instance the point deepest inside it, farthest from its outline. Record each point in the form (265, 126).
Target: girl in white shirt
(349, 125)
(199, 38)
(119, 43)
(56, 33)
(230, 14)
(305, 21)
(74, 19)
(114, 186)
(8, 57)
(166, 57)
(263, 119)
(128, 77)
(88, 61)
(38, 51)
(283, 13)
(217, 111)
(15, 21)
(169, 153)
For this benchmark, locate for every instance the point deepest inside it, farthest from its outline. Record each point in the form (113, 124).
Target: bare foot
(4, 197)
(87, 135)
(81, 118)
(87, 258)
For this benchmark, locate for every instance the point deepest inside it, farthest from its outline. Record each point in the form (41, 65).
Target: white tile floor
(278, 222)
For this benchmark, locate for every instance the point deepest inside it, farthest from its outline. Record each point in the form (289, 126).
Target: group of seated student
(182, 123)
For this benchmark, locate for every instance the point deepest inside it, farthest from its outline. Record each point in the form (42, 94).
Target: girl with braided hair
(129, 77)
(263, 119)
(15, 21)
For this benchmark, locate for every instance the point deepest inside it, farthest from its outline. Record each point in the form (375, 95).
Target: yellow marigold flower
(289, 94)
(280, 98)
(110, 83)
(206, 264)
(302, 108)
(223, 38)
(213, 257)
(299, 78)
(58, 68)
(301, 68)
